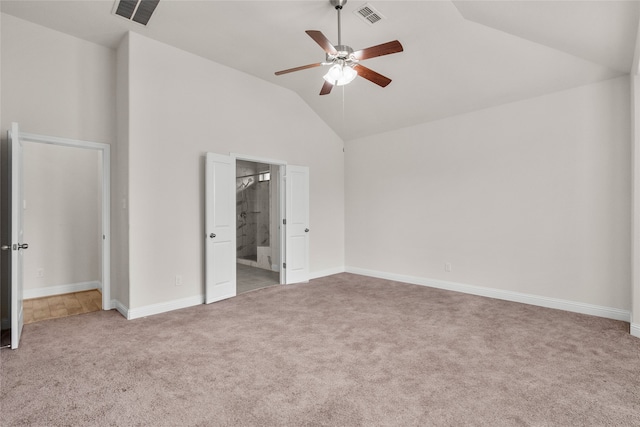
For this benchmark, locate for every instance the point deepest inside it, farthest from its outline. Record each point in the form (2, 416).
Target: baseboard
(327, 272)
(61, 289)
(120, 308)
(635, 329)
(541, 301)
(149, 310)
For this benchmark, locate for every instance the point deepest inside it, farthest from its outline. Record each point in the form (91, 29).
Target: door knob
(5, 247)
(306, 230)
(23, 246)
(212, 235)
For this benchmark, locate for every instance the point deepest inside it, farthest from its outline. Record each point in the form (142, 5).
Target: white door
(220, 228)
(17, 233)
(297, 226)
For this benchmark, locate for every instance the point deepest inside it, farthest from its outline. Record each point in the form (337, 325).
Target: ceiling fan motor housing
(344, 53)
(338, 3)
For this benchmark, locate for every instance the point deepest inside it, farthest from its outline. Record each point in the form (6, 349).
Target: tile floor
(56, 306)
(252, 278)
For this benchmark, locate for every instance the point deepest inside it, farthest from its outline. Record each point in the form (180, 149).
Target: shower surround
(252, 214)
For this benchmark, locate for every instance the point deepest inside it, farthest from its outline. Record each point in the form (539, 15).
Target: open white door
(297, 226)
(220, 228)
(17, 233)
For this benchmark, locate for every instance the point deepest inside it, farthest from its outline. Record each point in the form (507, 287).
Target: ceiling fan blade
(324, 42)
(372, 76)
(379, 50)
(303, 67)
(326, 88)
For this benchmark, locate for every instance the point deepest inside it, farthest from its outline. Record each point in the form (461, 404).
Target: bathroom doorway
(257, 225)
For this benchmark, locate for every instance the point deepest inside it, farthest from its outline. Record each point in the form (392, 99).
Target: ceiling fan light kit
(345, 66)
(340, 75)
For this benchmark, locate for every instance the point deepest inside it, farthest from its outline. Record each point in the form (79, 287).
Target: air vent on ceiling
(368, 14)
(139, 11)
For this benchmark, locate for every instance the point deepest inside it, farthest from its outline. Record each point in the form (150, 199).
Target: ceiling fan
(345, 63)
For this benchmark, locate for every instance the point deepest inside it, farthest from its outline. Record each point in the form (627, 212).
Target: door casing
(282, 195)
(105, 150)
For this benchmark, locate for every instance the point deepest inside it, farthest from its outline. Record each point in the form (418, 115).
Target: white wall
(120, 182)
(182, 106)
(531, 197)
(63, 218)
(55, 84)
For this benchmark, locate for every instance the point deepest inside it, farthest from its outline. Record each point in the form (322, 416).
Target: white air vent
(369, 14)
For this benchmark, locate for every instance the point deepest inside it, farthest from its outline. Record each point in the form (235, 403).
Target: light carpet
(344, 350)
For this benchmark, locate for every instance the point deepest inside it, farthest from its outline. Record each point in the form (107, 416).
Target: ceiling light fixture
(345, 63)
(340, 74)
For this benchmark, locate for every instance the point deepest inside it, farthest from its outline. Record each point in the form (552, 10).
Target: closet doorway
(257, 225)
(62, 206)
(20, 205)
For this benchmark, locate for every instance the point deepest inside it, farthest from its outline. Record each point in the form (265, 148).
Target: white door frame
(105, 149)
(281, 201)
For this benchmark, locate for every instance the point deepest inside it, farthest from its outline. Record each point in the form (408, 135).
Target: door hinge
(284, 222)
(284, 265)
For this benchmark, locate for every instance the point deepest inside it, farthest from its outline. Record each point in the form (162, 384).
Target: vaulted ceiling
(459, 56)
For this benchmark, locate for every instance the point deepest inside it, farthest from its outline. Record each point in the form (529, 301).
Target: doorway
(62, 204)
(221, 216)
(257, 225)
(18, 205)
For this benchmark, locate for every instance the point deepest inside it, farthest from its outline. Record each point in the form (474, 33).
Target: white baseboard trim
(541, 301)
(61, 289)
(120, 308)
(327, 272)
(149, 310)
(635, 329)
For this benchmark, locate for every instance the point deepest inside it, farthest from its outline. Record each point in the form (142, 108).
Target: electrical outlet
(447, 267)
(40, 272)
(178, 280)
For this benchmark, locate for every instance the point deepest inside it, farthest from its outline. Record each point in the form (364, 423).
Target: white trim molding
(163, 307)
(120, 308)
(149, 310)
(541, 301)
(635, 330)
(48, 291)
(105, 149)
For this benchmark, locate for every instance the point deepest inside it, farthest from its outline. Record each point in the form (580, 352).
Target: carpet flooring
(343, 350)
